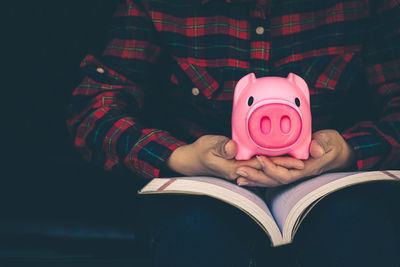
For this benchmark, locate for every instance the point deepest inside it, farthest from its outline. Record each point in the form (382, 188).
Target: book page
(242, 198)
(158, 186)
(234, 188)
(290, 202)
(284, 200)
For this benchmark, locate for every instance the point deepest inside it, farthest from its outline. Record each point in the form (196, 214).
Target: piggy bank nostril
(285, 124)
(265, 125)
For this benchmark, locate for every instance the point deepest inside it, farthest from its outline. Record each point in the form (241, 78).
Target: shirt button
(195, 91)
(260, 30)
(100, 70)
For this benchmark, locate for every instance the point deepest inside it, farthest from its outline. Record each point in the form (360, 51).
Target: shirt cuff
(148, 156)
(370, 149)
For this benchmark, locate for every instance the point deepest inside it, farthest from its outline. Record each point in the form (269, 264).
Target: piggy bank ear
(242, 84)
(297, 80)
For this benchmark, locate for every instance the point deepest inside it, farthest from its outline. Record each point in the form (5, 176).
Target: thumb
(225, 148)
(316, 149)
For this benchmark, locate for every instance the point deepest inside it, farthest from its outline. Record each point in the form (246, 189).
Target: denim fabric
(352, 227)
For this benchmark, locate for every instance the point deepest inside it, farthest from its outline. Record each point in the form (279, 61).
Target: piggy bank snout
(274, 125)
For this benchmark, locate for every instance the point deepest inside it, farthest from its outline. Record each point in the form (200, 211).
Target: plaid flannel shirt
(168, 72)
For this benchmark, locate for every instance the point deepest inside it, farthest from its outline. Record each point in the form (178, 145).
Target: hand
(328, 152)
(209, 155)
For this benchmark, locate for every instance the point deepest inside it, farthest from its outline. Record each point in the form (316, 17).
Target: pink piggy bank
(271, 116)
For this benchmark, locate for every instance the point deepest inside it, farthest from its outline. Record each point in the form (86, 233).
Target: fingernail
(241, 183)
(322, 151)
(242, 173)
(261, 162)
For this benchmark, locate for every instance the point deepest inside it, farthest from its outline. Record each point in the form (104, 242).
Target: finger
(225, 148)
(227, 168)
(316, 149)
(257, 176)
(221, 167)
(314, 166)
(221, 159)
(241, 181)
(253, 162)
(279, 173)
(230, 149)
(282, 174)
(288, 162)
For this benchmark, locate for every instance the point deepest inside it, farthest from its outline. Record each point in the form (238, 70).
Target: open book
(280, 215)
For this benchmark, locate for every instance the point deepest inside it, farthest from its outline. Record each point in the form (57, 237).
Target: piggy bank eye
(250, 101)
(297, 101)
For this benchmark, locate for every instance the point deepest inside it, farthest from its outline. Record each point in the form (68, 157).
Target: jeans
(352, 227)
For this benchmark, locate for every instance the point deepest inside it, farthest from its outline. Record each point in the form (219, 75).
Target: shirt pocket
(337, 72)
(196, 78)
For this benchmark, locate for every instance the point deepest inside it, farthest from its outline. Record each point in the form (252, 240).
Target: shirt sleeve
(377, 143)
(103, 114)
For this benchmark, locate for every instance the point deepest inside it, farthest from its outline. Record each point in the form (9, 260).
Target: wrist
(349, 158)
(181, 160)
(173, 159)
(165, 171)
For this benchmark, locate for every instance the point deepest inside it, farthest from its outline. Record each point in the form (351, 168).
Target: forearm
(103, 117)
(106, 131)
(377, 142)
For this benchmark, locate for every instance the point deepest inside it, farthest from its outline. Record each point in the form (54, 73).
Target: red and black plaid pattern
(169, 70)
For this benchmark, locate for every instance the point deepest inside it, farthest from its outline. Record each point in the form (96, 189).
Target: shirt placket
(260, 39)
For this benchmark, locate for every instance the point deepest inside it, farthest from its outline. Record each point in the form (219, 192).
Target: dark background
(43, 45)
(43, 177)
